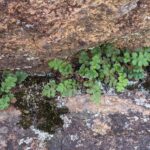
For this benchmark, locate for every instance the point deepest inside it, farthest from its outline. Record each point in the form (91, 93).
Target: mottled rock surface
(33, 31)
(119, 123)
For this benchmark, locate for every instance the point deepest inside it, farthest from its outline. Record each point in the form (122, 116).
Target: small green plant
(4, 102)
(122, 82)
(67, 87)
(136, 61)
(140, 59)
(102, 64)
(21, 76)
(61, 66)
(49, 89)
(88, 73)
(84, 58)
(8, 83)
(94, 89)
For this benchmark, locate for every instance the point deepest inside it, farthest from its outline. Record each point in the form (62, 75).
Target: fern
(104, 63)
(94, 89)
(4, 102)
(61, 66)
(49, 89)
(55, 64)
(8, 83)
(136, 73)
(10, 80)
(67, 87)
(66, 69)
(127, 57)
(95, 63)
(84, 58)
(122, 82)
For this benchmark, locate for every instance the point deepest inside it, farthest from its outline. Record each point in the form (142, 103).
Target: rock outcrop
(119, 123)
(33, 31)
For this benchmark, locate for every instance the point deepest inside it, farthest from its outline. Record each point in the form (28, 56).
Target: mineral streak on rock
(50, 28)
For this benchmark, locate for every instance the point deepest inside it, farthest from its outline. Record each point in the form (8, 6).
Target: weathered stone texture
(43, 29)
(117, 124)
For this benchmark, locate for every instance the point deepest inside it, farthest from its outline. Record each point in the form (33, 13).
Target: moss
(37, 110)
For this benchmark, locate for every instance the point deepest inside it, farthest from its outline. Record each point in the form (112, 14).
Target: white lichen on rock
(42, 136)
(142, 102)
(67, 121)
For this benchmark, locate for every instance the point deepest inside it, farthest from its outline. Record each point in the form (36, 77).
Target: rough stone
(125, 126)
(33, 31)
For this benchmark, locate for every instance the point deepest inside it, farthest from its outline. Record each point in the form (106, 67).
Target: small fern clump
(49, 89)
(67, 87)
(103, 64)
(8, 83)
(94, 89)
(62, 66)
